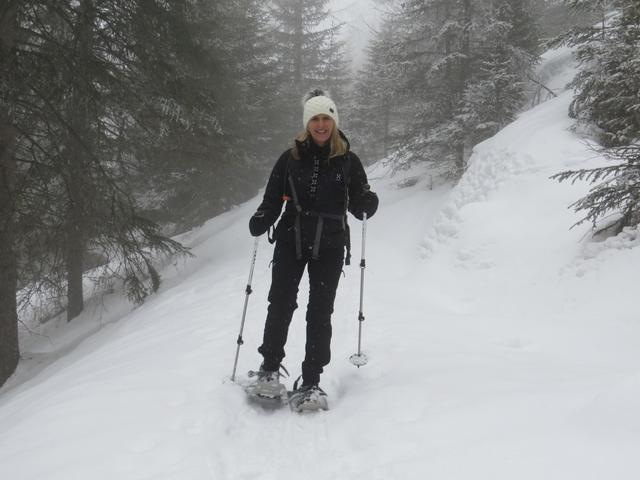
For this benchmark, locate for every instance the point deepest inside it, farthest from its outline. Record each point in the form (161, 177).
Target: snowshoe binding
(267, 390)
(308, 398)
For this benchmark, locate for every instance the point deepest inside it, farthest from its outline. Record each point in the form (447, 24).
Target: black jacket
(334, 195)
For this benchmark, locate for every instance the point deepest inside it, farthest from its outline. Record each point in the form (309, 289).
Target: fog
(360, 18)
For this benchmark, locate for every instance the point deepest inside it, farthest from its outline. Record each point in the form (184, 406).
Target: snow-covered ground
(502, 345)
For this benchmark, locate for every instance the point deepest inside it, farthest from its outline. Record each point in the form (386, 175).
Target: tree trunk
(448, 71)
(460, 159)
(74, 264)
(465, 69)
(78, 141)
(9, 350)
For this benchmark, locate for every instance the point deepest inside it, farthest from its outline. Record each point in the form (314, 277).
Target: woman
(319, 179)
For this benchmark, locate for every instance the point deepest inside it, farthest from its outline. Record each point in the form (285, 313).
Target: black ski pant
(287, 270)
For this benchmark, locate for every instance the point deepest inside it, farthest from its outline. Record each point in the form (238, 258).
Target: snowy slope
(502, 345)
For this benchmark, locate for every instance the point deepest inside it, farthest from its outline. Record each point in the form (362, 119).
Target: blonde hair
(338, 145)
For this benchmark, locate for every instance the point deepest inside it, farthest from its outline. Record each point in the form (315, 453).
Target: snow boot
(267, 388)
(308, 398)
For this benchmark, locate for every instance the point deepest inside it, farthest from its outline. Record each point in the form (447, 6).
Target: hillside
(502, 345)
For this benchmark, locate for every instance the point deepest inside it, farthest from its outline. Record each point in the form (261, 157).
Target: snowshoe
(267, 389)
(308, 398)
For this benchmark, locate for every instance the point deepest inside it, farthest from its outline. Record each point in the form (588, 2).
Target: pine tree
(333, 72)
(110, 109)
(375, 98)
(250, 77)
(507, 52)
(608, 97)
(308, 55)
(9, 78)
(210, 117)
(75, 92)
(616, 193)
(439, 61)
(463, 65)
(96, 94)
(607, 86)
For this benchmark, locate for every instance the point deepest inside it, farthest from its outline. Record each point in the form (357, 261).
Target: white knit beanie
(317, 103)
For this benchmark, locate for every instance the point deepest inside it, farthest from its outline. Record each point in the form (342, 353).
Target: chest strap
(319, 226)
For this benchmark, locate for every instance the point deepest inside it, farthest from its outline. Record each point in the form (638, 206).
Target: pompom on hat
(315, 103)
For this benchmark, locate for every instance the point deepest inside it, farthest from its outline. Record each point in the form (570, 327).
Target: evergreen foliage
(455, 71)
(616, 190)
(94, 96)
(75, 140)
(374, 116)
(608, 98)
(308, 54)
(497, 88)
(608, 85)
(209, 114)
(121, 120)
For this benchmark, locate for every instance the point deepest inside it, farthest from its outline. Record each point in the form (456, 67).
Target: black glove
(258, 224)
(367, 203)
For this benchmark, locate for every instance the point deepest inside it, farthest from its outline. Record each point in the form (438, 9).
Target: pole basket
(359, 359)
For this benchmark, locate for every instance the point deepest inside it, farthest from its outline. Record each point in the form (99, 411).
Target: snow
(502, 345)
(557, 68)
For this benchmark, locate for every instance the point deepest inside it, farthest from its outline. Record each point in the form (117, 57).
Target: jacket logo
(338, 177)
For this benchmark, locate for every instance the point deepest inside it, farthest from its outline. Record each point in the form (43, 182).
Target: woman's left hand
(367, 203)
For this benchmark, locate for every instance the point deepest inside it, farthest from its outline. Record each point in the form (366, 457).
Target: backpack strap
(296, 225)
(346, 167)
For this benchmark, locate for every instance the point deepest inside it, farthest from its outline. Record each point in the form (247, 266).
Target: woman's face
(320, 127)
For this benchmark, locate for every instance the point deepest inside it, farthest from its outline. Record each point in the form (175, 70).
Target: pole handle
(364, 236)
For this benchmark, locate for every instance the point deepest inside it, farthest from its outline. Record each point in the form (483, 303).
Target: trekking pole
(360, 359)
(248, 292)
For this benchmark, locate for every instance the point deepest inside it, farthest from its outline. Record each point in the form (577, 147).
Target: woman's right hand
(258, 224)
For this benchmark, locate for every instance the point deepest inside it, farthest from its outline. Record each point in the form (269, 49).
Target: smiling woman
(320, 119)
(320, 128)
(320, 179)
